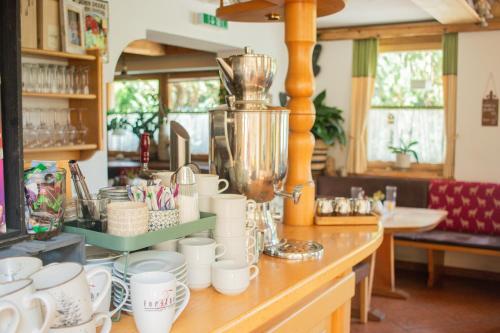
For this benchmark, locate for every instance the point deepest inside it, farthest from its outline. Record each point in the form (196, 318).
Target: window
(193, 94)
(189, 100)
(135, 109)
(136, 101)
(407, 105)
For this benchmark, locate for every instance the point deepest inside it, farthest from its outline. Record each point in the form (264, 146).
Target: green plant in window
(405, 148)
(329, 122)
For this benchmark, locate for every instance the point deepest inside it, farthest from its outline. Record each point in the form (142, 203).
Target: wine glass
(59, 130)
(43, 130)
(81, 129)
(70, 130)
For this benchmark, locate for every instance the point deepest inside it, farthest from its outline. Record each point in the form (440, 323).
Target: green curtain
(450, 70)
(364, 68)
(450, 53)
(364, 59)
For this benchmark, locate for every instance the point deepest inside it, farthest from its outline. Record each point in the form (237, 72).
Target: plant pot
(319, 155)
(403, 161)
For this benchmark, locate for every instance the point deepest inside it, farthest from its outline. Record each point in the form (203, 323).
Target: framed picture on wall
(72, 22)
(96, 25)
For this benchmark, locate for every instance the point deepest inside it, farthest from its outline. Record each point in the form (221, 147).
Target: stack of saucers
(149, 261)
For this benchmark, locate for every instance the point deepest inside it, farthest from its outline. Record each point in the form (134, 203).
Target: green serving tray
(133, 243)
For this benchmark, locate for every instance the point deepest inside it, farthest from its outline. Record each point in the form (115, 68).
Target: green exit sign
(214, 21)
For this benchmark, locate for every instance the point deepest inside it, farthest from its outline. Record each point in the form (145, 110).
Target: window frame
(163, 89)
(417, 170)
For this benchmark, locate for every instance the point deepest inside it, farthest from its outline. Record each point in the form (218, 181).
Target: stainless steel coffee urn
(249, 145)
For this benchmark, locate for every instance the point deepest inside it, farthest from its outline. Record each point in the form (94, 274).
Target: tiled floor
(457, 306)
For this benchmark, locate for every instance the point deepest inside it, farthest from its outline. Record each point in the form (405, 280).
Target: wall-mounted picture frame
(96, 25)
(72, 22)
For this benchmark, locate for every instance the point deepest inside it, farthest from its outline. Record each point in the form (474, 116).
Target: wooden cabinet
(92, 103)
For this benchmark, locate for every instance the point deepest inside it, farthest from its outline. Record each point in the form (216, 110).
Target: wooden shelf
(270, 10)
(61, 148)
(56, 54)
(50, 95)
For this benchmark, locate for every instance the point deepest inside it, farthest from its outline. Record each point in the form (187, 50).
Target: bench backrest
(411, 192)
(472, 207)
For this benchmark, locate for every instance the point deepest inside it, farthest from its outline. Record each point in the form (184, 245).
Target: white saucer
(147, 261)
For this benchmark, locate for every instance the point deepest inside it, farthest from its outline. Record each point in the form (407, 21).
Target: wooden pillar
(300, 38)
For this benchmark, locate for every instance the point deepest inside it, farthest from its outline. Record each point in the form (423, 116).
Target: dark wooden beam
(10, 71)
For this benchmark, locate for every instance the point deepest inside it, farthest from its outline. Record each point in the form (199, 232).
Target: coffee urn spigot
(180, 153)
(294, 195)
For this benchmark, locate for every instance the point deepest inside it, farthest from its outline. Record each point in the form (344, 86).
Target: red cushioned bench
(472, 224)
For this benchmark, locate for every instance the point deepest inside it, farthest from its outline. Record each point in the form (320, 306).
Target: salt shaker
(187, 199)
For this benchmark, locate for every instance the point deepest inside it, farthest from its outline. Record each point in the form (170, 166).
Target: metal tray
(133, 243)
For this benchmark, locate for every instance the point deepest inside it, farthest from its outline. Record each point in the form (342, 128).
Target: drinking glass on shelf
(52, 79)
(43, 130)
(84, 80)
(70, 80)
(81, 129)
(59, 124)
(69, 130)
(34, 78)
(44, 79)
(61, 79)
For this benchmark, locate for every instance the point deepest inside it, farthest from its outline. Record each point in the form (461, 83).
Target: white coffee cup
(10, 317)
(232, 278)
(204, 203)
(97, 285)
(232, 226)
(17, 268)
(200, 254)
(231, 205)
(67, 283)
(164, 176)
(154, 299)
(22, 293)
(209, 184)
(88, 327)
(236, 248)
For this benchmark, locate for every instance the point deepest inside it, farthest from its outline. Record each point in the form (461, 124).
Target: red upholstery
(472, 207)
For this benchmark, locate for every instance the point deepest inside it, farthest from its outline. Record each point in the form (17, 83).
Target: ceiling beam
(402, 30)
(449, 11)
(148, 48)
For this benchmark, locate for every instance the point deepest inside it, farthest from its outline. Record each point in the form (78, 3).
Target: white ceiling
(367, 12)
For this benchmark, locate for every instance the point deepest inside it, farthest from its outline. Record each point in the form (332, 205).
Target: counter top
(281, 284)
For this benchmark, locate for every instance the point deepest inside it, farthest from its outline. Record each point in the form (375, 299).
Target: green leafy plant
(405, 148)
(329, 122)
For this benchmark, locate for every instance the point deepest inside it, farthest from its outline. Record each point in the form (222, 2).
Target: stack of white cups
(208, 185)
(200, 255)
(231, 226)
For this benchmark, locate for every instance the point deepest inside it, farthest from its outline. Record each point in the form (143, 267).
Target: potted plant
(403, 154)
(328, 130)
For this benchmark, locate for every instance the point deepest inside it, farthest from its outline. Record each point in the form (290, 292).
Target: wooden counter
(287, 296)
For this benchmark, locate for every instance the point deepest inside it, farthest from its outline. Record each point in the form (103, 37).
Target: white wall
(477, 147)
(335, 76)
(171, 22)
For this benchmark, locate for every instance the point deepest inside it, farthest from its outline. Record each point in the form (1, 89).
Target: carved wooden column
(300, 38)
